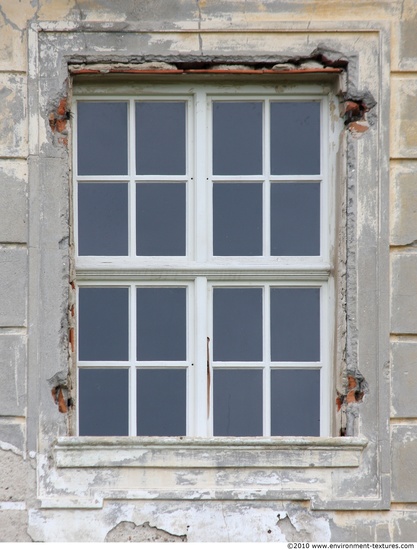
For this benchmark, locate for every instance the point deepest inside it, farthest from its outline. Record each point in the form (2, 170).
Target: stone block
(405, 527)
(404, 379)
(12, 47)
(13, 526)
(13, 200)
(403, 463)
(12, 432)
(404, 204)
(13, 287)
(404, 118)
(17, 477)
(12, 375)
(13, 123)
(406, 42)
(403, 293)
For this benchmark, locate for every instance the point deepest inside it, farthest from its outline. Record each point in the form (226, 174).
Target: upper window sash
(201, 197)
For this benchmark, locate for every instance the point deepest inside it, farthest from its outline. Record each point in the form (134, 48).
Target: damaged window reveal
(264, 338)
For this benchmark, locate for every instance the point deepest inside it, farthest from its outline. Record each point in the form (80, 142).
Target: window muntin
(260, 234)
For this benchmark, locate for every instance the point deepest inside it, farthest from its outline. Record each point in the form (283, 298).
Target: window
(204, 230)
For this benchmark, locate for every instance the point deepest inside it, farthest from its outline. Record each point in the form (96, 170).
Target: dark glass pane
(103, 401)
(102, 219)
(295, 402)
(103, 324)
(160, 222)
(295, 138)
(295, 324)
(237, 138)
(160, 137)
(161, 402)
(237, 219)
(237, 402)
(237, 324)
(102, 138)
(295, 219)
(162, 324)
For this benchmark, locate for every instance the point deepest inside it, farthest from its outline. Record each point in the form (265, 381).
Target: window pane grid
(129, 248)
(266, 366)
(105, 368)
(269, 231)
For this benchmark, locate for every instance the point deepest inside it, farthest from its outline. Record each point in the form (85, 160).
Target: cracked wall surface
(366, 492)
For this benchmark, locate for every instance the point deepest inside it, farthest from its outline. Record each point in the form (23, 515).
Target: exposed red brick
(62, 107)
(72, 339)
(339, 402)
(62, 405)
(60, 125)
(351, 382)
(358, 127)
(52, 121)
(351, 397)
(58, 121)
(352, 107)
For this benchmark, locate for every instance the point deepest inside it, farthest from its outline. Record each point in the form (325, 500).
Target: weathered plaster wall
(35, 276)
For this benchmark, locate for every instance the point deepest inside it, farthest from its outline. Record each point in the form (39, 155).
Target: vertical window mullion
(267, 181)
(267, 361)
(325, 226)
(132, 252)
(325, 374)
(132, 361)
(201, 400)
(202, 234)
(190, 205)
(132, 177)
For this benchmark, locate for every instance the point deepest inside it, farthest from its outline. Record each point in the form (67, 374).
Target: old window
(204, 234)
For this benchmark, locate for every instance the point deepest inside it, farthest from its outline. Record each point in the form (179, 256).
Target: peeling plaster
(127, 531)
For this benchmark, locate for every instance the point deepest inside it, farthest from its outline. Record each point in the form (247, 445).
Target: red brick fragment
(62, 405)
(62, 107)
(353, 108)
(72, 339)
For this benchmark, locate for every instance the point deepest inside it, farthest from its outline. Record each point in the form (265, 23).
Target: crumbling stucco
(348, 401)
(300, 528)
(127, 531)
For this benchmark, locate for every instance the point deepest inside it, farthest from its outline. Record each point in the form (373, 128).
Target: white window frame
(199, 271)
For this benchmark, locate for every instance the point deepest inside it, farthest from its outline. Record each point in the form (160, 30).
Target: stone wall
(367, 489)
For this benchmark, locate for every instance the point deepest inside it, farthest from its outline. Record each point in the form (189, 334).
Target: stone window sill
(215, 452)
